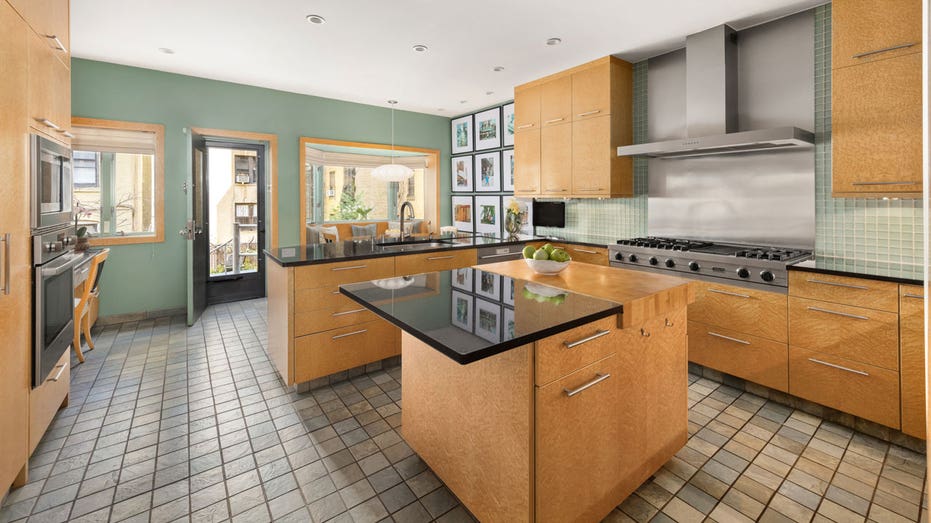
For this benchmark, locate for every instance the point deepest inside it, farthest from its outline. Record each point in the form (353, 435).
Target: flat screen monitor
(549, 214)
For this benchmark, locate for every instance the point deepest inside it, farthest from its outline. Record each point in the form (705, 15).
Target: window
(118, 180)
(245, 213)
(245, 167)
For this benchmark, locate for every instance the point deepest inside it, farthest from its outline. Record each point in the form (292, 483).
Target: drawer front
(47, 398)
(856, 388)
(911, 329)
(307, 300)
(588, 254)
(858, 292)
(333, 274)
(322, 354)
(435, 261)
(560, 355)
(749, 357)
(757, 313)
(342, 315)
(858, 334)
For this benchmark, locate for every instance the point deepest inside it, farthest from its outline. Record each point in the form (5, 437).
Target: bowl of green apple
(547, 259)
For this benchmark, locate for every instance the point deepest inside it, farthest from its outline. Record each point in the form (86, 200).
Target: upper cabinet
(876, 98)
(585, 114)
(49, 102)
(49, 19)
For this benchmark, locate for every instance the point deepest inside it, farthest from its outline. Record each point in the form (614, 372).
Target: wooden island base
(506, 437)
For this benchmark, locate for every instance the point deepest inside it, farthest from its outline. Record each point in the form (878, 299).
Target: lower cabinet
(912, 343)
(435, 261)
(743, 355)
(336, 350)
(46, 399)
(580, 253)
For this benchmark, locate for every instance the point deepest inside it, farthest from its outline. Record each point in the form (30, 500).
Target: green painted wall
(151, 277)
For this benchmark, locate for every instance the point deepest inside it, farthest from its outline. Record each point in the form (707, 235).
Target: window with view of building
(118, 180)
(245, 168)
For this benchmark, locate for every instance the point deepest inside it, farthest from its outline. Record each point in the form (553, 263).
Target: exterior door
(194, 231)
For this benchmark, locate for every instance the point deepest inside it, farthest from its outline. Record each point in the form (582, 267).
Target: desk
(81, 272)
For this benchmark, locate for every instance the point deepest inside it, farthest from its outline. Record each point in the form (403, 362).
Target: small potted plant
(82, 242)
(513, 217)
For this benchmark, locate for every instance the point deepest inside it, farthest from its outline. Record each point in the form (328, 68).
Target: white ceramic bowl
(546, 266)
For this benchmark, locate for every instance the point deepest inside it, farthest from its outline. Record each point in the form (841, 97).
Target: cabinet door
(578, 442)
(877, 127)
(556, 160)
(526, 109)
(61, 99)
(869, 30)
(591, 92)
(16, 305)
(591, 157)
(49, 19)
(527, 163)
(41, 60)
(556, 101)
(911, 327)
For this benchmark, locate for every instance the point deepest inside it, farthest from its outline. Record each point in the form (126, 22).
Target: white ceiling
(363, 52)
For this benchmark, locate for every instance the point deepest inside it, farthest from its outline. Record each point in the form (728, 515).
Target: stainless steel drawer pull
(586, 251)
(554, 120)
(598, 334)
(440, 257)
(353, 333)
(347, 312)
(589, 113)
(48, 123)
(487, 256)
(58, 45)
(69, 134)
(598, 379)
(590, 189)
(838, 313)
(916, 296)
(349, 268)
(885, 50)
(886, 183)
(728, 338)
(551, 189)
(6, 262)
(729, 293)
(525, 126)
(335, 292)
(855, 371)
(835, 284)
(60, 372)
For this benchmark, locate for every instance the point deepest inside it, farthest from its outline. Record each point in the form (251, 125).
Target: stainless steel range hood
(711, 107)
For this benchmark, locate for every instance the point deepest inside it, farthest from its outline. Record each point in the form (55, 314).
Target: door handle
(188, 231)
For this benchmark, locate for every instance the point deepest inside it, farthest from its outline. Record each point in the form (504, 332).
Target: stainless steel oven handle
(57, 268)
(6, 263)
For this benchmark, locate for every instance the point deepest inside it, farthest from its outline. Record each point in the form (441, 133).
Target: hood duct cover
(711, 107)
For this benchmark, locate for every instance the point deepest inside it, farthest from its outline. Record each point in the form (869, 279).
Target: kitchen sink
(414, 245)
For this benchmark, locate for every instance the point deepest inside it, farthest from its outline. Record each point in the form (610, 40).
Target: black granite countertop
(581, 239)
(469, 314)
(885, 271)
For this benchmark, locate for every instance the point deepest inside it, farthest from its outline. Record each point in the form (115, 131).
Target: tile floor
(168, 423)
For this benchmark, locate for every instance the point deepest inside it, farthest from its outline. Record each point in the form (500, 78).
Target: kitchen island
(539, 398)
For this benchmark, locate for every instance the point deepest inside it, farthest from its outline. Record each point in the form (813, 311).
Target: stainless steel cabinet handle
(554, 120)
(58, 45)
(729, 293)
(347, 312)
(440, 257)
(916, 296)
(334, 292)
(598, 379)
(525, 126)
(353, 333)
(589, 113)
(835, 284)
(838, 313)
(590, 189)
(555, 190)
(69, 134)
(886, 183)
(586, 251)
(60, 372)
(644, 333)
(499, 255)
(598, 334)
(855, 371)
(6, 262)
(728, 338)
(349, 268)
(48, 123)
(669, 323)
(885, 50)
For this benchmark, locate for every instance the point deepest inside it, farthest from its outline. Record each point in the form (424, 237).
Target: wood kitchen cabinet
(864, 31)
(50, 19)
(585, 113)
(49, 102)
(912, 347)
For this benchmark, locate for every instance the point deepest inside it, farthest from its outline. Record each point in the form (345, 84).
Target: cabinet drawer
(569, 351)
(343, 315)
(47, 398)
(911, 329)
(307, 300)
(757, 313)
(749, 357)
(849, 386)
(845, 290)
(344, 348)
(333, 274)
(435, 261)
(858, 334)
(587, 254)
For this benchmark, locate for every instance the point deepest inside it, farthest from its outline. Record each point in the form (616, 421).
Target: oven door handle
(58, 268)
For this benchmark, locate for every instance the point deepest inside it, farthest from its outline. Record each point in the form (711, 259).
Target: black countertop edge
(586, 242)
(504, 346)
(853, 274)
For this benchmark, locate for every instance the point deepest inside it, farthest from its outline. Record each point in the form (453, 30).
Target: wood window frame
(158, 236)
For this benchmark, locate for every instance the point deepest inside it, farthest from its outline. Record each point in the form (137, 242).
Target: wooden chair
(82, 304)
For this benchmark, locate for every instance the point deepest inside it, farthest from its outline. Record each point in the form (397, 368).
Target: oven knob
(653, 260)
(743, 273)
(694, 266)
(632, 258)
(619, 257)
(767, 276)
(670, 263)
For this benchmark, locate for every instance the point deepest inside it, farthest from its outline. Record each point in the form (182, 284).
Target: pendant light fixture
(392, 172)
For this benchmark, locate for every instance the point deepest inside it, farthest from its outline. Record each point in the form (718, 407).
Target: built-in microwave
(50, 169)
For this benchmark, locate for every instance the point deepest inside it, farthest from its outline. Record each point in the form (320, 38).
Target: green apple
(528, 251)
(541, 254)
(548, 248)
(559, 255)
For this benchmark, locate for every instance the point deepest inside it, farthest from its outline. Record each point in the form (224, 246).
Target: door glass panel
(233, 245)
(58, 306)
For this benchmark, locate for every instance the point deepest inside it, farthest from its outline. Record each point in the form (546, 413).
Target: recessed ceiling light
(316, 19)
(553, 41)
(393, 102)
(463, 101)
(489, 92)
(165, 50)
(441, 109)
(498, 68)
(420, 48)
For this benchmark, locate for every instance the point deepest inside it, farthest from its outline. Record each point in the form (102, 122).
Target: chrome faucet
(410, 208)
